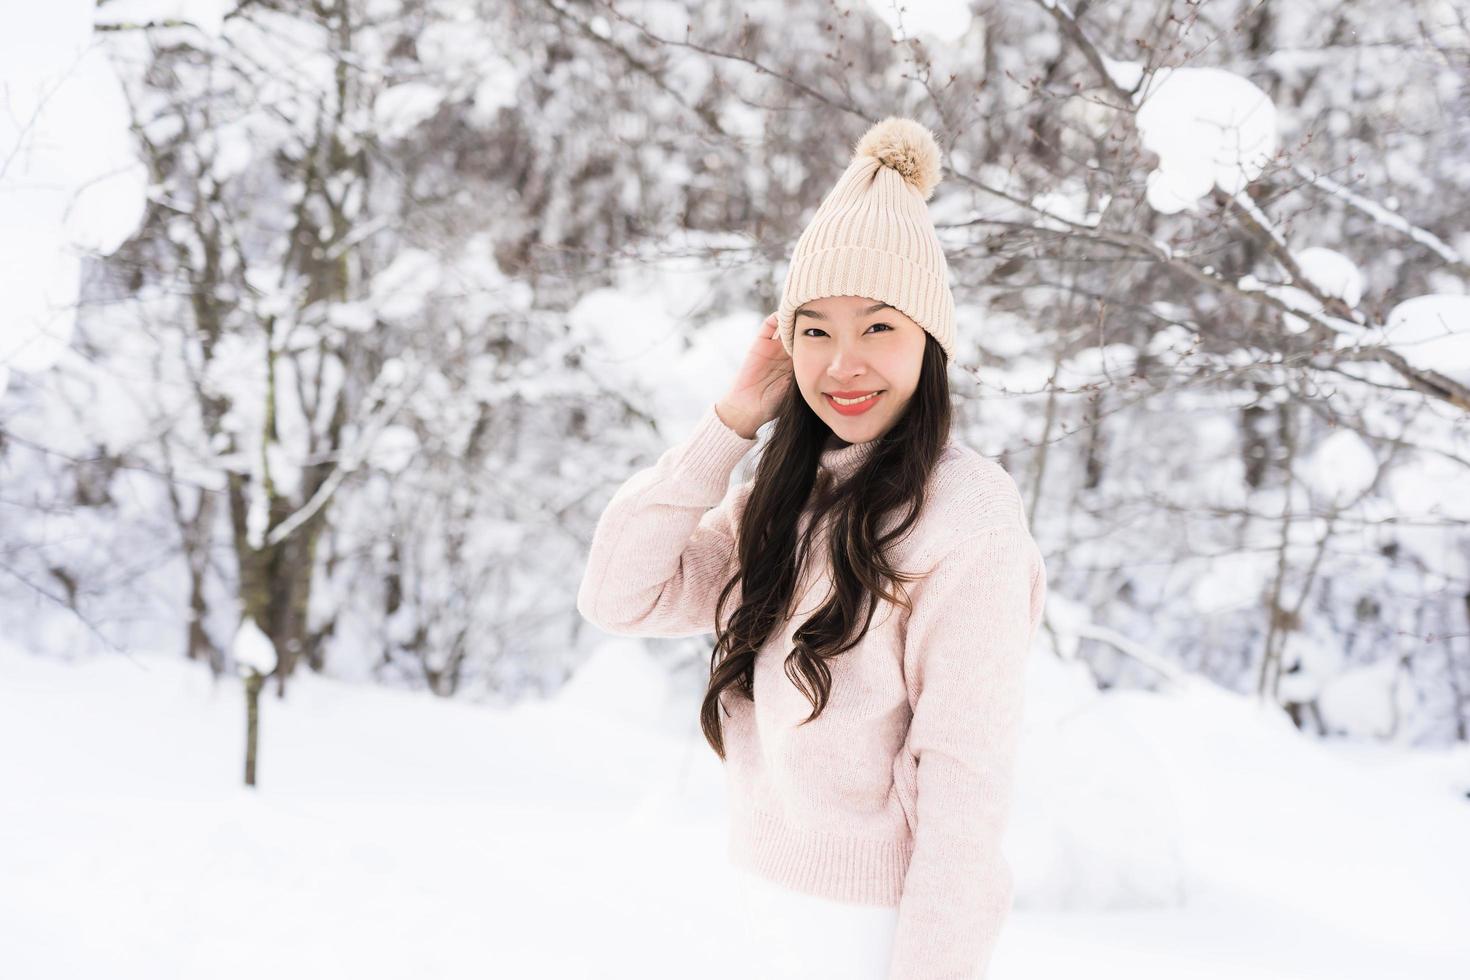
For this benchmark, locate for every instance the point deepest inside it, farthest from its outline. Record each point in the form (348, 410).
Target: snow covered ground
(395, 835)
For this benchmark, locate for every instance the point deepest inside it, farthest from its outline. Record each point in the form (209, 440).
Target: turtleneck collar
(843, 461)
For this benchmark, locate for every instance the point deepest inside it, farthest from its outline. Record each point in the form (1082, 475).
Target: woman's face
(852, 346)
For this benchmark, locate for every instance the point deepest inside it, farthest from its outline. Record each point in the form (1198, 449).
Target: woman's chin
(859, 428)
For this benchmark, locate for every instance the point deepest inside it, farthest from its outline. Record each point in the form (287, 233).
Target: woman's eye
(807, 332)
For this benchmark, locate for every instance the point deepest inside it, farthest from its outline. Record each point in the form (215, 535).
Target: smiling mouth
(856, 400)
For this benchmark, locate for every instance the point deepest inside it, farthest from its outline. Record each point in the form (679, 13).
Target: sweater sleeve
(665, 544)
(965, 650)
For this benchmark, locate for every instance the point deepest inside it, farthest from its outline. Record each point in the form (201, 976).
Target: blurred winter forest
(344, 318)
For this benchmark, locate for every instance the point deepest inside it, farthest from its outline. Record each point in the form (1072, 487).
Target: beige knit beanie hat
(872, 235)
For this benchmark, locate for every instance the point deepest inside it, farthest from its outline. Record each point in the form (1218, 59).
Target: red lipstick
(854, 407)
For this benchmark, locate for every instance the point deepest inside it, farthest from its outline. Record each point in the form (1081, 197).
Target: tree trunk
(253, 683)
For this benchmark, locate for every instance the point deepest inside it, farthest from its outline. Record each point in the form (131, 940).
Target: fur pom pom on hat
(872, 235)
(908, 148)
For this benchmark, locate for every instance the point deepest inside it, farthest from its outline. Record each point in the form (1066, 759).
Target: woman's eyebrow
(868, 312)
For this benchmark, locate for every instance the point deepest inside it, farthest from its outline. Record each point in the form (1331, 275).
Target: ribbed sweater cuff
(712, 451)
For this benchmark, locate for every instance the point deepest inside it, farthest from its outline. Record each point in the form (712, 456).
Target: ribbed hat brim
(858, 270)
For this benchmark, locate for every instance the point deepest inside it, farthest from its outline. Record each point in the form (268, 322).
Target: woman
(873, 590)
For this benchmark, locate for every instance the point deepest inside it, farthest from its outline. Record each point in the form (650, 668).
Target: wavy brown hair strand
(772, 556)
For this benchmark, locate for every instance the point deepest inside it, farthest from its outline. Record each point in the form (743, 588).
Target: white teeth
(854, 401)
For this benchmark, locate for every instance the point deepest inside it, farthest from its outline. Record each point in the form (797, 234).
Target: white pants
(791, 934)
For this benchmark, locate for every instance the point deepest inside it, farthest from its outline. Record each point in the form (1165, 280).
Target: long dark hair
(891, 480)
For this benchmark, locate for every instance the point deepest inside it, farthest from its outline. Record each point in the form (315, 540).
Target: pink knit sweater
(899, 792)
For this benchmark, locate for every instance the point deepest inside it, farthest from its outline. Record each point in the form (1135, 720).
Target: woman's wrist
(741, 425)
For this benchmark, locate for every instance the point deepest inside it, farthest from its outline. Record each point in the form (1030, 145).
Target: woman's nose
(844, 364)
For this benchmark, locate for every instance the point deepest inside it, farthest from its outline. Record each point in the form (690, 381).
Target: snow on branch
(390, 403)
(1386, 217)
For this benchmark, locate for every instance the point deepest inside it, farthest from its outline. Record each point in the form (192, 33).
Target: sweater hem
(844, 869)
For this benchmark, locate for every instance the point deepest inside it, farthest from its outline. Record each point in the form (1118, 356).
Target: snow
(496, 91)
(1362, 700)
(619, 681)
(394, 449)
(1090, 365)
(1157, 834)
(944, 20)
(1382, 215)
(207, 15)
(624, 329)
(471, 60)
(400, 291)
(1068, 207)
(1431, 488)
(1229, 582)
(252, 649)
(391, 834)
(1341, 467)
(1125, 74)
(69, 180)
(357, 317)
(1433, 333)
(1209, 128)
(1332, 272)
(40, 283)
(230, 149)
(400, 109)
(1174, 344)
(645, 339)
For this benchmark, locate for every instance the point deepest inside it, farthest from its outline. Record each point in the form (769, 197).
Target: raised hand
(759, 387)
